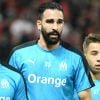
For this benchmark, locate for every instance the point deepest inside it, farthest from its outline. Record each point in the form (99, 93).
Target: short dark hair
(91, 38)
(48, 5)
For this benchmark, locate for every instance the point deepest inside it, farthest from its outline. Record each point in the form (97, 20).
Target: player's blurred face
(93, 57)
(52, 25)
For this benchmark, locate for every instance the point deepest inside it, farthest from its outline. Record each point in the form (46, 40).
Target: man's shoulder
(10, 70)
(71, 48)
(24, 45)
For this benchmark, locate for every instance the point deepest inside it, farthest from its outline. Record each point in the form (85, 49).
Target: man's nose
(55, 26)
(98, 58)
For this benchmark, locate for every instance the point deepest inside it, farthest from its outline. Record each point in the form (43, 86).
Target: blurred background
(18, 22)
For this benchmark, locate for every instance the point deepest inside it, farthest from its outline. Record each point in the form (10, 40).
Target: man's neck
(96, 76)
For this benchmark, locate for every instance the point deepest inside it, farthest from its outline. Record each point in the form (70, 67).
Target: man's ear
(39, 24)
(84, 54)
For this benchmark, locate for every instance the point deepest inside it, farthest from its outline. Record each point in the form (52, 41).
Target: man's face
(93, 57)
(51, 25)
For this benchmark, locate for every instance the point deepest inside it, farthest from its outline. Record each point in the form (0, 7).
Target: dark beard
(51, 40)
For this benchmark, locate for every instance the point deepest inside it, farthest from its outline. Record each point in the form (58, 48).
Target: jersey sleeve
(81, 79)
(14, 60)
(20, 93)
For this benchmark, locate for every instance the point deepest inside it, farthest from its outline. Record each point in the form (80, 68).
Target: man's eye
(49, 21)
(94, 53)
(60, 21)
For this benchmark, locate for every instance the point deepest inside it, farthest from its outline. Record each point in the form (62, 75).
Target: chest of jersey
(44, 67)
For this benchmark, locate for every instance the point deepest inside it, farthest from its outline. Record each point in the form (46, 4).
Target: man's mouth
(53, 35)
(97, 66)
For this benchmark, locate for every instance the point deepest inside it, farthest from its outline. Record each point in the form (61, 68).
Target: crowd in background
(17, 22)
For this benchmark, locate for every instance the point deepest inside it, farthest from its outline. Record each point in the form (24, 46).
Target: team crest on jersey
(63, 65)
(4, 83)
